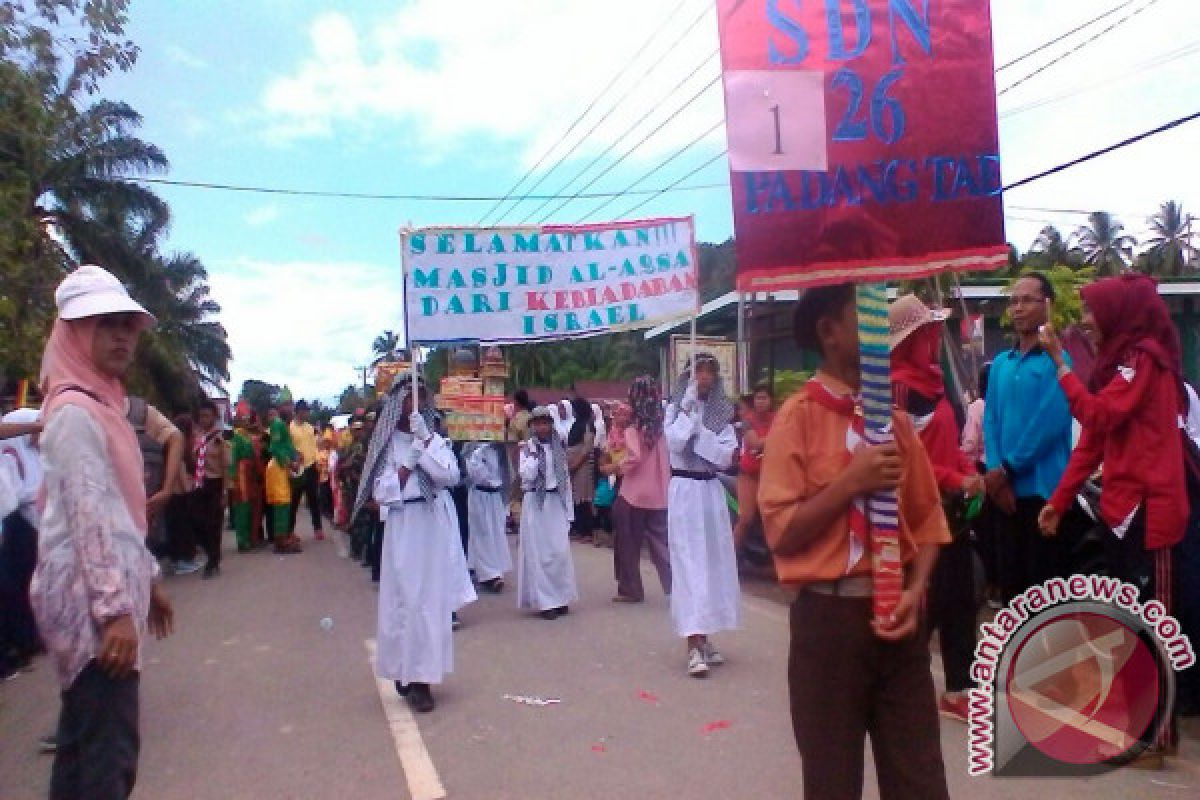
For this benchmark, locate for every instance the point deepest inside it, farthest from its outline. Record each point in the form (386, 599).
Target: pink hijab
(67, 362)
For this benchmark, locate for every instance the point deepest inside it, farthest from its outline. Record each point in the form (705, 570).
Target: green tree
(1171, 248)
(260, 395)
(1104, 243)
(1051, 248)
(350, 400)
(385, 347)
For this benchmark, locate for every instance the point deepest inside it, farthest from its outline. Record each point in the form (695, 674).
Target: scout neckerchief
(201, 449)
(850, 407)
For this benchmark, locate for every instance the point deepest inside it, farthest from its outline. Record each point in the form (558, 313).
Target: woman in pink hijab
(95, 591)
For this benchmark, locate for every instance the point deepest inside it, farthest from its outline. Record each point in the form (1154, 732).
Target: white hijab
(23, 463)
(601, 428)
(564, 418)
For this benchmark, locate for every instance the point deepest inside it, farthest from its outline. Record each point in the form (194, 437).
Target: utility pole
(363, 370)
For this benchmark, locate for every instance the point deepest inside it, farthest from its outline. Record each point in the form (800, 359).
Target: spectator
(21, 471)
(304, 439)
(581, 461)
(1130, 412)
(1027, 440)
(754, 436)
(210, 472)
(95, 592)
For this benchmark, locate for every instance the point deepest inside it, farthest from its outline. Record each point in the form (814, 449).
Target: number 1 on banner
(775, 120)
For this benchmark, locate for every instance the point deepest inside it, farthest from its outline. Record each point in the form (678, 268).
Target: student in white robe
(487, 512)
(423, 576)
(705, 597)
(545, 571)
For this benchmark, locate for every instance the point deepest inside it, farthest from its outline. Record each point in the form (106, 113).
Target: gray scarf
(381, 442)
(559, 456)
(718, 411)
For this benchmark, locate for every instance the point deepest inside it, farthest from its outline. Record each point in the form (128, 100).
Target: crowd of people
(97, 487)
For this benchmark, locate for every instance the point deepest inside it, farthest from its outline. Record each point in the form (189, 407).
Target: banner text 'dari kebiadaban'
(512, 285)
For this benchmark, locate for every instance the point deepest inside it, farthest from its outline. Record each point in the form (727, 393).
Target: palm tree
(1171, 246)
(385, 346)
(1104, 244)
(1051, 248)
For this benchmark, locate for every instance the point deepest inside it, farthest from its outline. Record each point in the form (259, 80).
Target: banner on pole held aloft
(862, 140)
(513, 285)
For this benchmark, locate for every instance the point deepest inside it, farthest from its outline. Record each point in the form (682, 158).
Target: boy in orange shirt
(849, 675)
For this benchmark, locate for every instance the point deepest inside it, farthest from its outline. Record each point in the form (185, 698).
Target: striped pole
(887, 571)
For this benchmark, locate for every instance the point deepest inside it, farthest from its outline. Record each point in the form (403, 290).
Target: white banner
(512, 285)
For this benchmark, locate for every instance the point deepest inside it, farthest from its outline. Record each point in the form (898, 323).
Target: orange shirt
(805, 451)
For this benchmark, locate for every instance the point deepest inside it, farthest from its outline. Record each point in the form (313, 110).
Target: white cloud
(184, 57)
(305, 323)
(263, 215)
(450, 71)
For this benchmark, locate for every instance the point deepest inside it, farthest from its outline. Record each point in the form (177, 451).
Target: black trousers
(97, 737)
(209, 518)
(952, 611)
(377, 549)
(1024, 556)
(306, 487)
(181, 528)
(18, 557)
(847, 684)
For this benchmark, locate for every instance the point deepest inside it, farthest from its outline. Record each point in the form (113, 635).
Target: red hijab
(1131, 316)
(915, 362)
(67, 362)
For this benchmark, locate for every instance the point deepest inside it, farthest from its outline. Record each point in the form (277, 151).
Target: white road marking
(422, 777)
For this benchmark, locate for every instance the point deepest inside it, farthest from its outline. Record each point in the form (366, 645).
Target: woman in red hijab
(1130, 413)
(915, 334)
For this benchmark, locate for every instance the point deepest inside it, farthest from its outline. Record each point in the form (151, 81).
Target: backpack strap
(74, 388)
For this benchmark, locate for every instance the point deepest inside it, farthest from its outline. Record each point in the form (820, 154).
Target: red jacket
(939, 434)
(1132, 427)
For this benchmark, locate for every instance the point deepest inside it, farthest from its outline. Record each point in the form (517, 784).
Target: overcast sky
(437, 97)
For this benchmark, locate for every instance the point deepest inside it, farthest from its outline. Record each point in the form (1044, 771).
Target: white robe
(545, 570)
(705, 596)
(423, 577)
(487, 544)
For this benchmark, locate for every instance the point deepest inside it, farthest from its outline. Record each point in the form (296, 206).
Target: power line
(620, 74)
(1137, 69)
(435, 198)
(1074, 49)
(1058, 39)
(671, 187)
(633, 149)
(667, 52)
(672, 157)
(1105, 151)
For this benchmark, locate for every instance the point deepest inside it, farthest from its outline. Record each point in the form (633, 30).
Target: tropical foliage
(66, 159)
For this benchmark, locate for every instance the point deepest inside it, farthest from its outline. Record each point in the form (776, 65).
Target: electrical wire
(672, 157)
(620, 74)
(1074, 49)
(674, 115)
(1059, 38)
(608, 113)
(613, 145)
(671, 187)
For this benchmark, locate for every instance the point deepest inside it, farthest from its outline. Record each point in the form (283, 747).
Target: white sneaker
(712, 656)
(697, 667)
(187, 567)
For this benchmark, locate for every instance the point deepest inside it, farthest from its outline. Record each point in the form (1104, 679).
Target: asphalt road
(253, 698)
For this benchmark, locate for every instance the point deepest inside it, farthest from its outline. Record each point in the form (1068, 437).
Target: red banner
(862, 139)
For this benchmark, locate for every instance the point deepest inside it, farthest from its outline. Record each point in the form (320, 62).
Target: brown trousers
(846, 684)
(631, 527)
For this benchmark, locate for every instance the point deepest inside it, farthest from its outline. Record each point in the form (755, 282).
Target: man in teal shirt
(1027, 441)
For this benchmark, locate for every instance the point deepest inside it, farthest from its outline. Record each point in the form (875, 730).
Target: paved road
(253, 699)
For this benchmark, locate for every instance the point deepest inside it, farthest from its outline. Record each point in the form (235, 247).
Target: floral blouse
(93, 564)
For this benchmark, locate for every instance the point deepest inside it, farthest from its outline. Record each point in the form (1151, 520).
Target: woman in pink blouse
(640, 511)
(94, 592)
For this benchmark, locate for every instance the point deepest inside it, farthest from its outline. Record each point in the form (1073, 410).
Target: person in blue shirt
(1027, 440)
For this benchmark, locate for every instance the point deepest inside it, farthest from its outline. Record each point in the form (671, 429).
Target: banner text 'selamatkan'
(862, 139)
(512, 285)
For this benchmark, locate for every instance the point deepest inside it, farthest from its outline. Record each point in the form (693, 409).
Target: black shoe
(211, 571)
(563, 611)
(549, 614)
(420, 698)
(401, 689)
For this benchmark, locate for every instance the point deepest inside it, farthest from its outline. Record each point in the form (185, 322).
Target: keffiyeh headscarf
(718, 411)
(559, 455)
(645, 400)
(381, 442)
